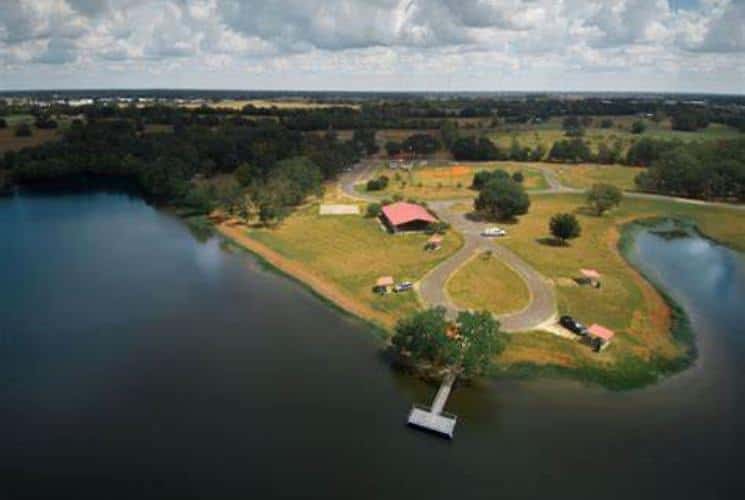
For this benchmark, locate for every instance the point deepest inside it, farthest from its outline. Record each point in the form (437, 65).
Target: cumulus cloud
(497, 40)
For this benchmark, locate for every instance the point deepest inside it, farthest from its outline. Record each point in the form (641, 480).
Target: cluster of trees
(378, 184)
(570, 150)
(710, 170)
(482, 149)
(274, 167)
(466, 346)
(500, 196)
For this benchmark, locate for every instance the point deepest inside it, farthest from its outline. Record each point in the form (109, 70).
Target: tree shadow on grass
(551, 242)
(479, 217)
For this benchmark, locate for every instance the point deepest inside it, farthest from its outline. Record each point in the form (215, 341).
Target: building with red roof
(402, 216)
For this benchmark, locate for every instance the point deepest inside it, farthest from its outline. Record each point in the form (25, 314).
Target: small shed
(600, 336)
(384, 284)
(589, 277)
(434, 243)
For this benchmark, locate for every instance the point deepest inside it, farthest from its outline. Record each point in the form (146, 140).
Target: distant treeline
(165, 165)
(413, 114)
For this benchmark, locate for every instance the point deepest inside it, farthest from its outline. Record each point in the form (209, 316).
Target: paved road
(540, 310)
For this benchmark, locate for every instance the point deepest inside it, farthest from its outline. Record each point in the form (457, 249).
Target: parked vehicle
(492, 232)
(573, 325)
(403, 286)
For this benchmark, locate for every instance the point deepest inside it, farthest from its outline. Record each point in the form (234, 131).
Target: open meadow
(626, 302)
(447, 182)
(550, 131)
(350, 253)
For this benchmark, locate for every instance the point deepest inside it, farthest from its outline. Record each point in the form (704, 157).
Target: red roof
(590, 273)
(600, 331)
(403, 213)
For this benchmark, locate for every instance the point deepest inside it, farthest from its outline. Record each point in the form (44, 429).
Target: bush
(373, 209)
(378, 184)
(638, 127)
(518, 177)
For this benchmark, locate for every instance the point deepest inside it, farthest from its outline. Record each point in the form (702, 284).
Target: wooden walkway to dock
(434, 418)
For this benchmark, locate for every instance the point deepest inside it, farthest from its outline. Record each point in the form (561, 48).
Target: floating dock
(434, 418)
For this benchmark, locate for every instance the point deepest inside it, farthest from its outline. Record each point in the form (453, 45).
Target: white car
(493, 232)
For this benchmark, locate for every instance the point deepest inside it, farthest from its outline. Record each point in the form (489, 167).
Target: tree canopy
(603, 197)
(502, 199)
(564, 227)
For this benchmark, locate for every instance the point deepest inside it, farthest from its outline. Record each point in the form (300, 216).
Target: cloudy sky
(656, 45)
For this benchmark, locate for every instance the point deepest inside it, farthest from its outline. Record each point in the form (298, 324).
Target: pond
(137, 360)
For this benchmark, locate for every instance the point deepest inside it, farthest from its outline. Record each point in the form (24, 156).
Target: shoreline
(635, 372)
(327, 292)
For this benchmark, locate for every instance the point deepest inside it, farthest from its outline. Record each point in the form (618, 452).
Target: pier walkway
(434, 418)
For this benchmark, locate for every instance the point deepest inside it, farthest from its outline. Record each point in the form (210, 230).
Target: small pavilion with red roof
(403, 216)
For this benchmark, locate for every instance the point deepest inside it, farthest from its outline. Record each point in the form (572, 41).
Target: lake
(137, 361)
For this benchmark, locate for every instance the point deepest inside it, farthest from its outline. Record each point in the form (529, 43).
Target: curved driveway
(542, 306)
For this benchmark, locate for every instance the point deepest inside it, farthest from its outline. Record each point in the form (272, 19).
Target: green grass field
(447, 182)
(351, 252)
(550, 131)
(584, 175)
(626, 302)
(485, 283)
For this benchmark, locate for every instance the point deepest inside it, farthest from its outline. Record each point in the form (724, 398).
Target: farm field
(448, 181)
(485, 283)
(548, 132)
(349, 253)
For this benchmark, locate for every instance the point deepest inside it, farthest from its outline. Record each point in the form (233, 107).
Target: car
(573, 325)
(493, 232)
(403, 286)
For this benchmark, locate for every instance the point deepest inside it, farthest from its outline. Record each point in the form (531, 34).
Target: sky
(382, 45)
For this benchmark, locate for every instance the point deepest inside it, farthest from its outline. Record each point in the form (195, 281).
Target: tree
(518, 177)
(3, 123)
(480, 340)
(246, 173)
(603, 197)
(423, 144)
(502, 199)
(423, 336)
(638, 127)
(606, 123)
(564, 227)
(364, 141)
(481, 177)
(392, 148)
(373, 209)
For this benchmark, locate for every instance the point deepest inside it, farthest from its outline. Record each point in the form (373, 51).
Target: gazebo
(589, 277)
(383, 284)
(600, 336)
(434, 243)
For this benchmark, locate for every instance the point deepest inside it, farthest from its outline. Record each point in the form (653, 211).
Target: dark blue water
(137, 361)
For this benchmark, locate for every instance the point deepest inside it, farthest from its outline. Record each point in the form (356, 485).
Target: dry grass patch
(9, 142)
(583, 176)
(486, 283)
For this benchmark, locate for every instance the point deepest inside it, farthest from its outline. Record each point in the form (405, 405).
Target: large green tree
(564, 227)
(502, 199)
(479, 339)
(603, 197)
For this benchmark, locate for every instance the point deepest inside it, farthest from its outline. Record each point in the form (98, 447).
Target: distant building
(406, 217)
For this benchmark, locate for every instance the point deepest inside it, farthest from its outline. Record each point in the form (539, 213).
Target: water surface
(137, 361)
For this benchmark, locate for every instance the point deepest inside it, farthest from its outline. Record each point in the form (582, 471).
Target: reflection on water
(138, 361)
